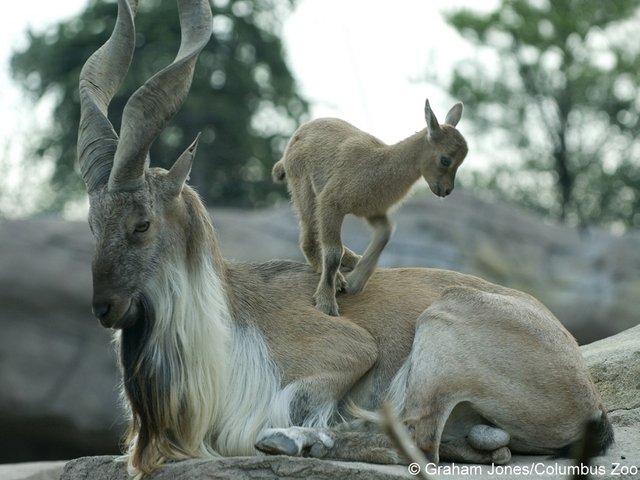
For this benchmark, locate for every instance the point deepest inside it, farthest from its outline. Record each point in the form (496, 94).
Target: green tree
(243, 97)
(555, 84)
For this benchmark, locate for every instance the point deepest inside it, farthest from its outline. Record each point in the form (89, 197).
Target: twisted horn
(100, 79)
(152, 106)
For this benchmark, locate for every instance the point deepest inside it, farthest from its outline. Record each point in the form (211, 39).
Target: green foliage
(243, 97)
(556, 83)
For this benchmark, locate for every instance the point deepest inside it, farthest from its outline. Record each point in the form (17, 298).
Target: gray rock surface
(621, 462)
(614, 363)
(32, 471)
(236, 468)
(58, 395)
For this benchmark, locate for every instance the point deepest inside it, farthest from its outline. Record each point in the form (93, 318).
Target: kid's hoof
(328, 307)
(331, 310)
(349, 260)
(353, 289)
(354, 283)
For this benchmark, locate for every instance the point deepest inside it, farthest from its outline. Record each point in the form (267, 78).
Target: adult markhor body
(221, 358)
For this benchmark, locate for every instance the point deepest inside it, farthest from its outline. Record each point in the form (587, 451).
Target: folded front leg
(328, 443)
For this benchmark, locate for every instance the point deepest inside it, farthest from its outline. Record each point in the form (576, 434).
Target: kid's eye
(142, 226)
(445, 161)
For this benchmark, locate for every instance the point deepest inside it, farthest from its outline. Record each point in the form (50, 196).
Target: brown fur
(334, 169)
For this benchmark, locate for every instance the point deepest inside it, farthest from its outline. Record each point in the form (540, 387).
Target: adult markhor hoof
(485, 437)
(278, 444)
(295, 441)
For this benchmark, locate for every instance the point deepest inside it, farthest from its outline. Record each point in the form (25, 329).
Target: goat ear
(433, 127)
(180, 170)
(454, 115)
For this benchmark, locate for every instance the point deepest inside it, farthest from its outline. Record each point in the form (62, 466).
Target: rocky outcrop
(238, 468)
(57, 368)
(614, 363)
(59, 381)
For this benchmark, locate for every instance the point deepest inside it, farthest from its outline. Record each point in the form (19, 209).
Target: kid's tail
(278, 173)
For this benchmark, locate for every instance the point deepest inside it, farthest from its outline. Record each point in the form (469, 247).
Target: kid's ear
(433, 127)
(180, 170)
(454, 115)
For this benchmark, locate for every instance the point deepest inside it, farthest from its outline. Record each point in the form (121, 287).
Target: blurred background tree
(556, 82)
(243, 97)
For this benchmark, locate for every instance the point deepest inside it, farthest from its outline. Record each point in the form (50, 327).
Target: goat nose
(101, 309)
(447, 191)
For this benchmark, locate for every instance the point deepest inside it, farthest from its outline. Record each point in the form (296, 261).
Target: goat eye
(445, 161)
(142, 226)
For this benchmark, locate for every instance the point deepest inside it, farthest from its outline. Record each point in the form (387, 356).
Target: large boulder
(614, 363)
(57, 367)
(59, 395)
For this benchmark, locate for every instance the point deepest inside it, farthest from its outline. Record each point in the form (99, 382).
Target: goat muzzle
(116, 313)
(440, 189)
